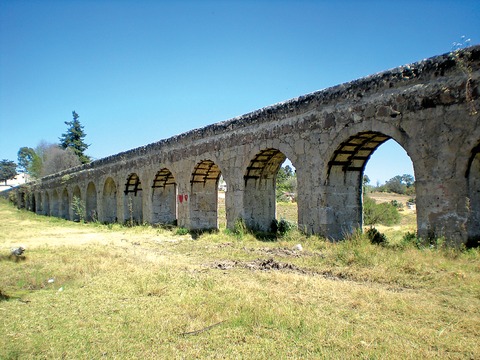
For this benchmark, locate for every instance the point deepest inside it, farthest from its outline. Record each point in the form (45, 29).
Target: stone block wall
(431, 108)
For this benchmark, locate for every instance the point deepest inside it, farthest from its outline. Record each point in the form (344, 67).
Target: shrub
(410, 238)
(12, 196)
(181, 231)
(398, 205)
(239, 228)
(376, 237)
(78, 208)
(384, 213)
(282, 227)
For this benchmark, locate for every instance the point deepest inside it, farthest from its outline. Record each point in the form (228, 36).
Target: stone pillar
(234, 200)
(474, 201)
(442, 209)
(183, 200)
(147, 190)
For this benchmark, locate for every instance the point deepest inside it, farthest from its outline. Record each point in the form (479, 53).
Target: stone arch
(473, 179)
(133, 203)
(32, 206)
(164, 197)
(39, 203)
(21, 199)
(46, 204)
(77, 200)
(91, 202)
(55, 208)
(203, 196)
(344, 181)
(259, 198)
(109, 201)
(64, 205)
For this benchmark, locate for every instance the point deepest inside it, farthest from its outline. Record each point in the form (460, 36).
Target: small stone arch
(473, 179)
(46, 204)
(203, 196)
(76, 204)
(91, 202)
(259, 198)
(32, 206)
(109, 201)
(133, 204)
(55, 208)
(164, 198)
(65, 205)
(39, 203)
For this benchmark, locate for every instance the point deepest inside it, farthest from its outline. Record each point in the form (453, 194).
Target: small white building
(20, 178)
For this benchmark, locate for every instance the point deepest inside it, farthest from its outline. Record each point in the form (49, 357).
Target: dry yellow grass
(146, 293)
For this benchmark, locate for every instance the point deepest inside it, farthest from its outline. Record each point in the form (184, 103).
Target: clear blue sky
(140, 71)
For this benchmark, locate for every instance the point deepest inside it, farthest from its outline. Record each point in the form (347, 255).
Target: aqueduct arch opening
(40, 203)
(109, 211)
(65, 205)
(91, 203)
(260, 184)
(77, 200)
(46, 204)
(55, 208)
(32, 206)
(473, 178)
(133, 203)
(204, 195)
(164, 198)
(345, 179)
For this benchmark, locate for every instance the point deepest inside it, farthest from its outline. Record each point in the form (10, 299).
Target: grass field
(107, 291)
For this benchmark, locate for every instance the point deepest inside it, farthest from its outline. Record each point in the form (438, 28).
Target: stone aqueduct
(431, 108)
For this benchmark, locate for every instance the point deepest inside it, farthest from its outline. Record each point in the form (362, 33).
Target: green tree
(286, 182)
(57, 159)
(400, 184)
(25, 157)
(396, 185)
(383, 213)
(8, 170)
(365, 186)
(74, 139)
(408, 180)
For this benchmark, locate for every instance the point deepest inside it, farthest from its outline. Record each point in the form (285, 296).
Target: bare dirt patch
(282, 252)
(381, 197)
(271, 264)
(259, 265)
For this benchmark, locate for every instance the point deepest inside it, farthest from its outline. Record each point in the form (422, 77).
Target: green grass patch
(146, 292)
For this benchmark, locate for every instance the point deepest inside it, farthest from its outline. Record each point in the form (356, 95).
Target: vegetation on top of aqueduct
(91, 291)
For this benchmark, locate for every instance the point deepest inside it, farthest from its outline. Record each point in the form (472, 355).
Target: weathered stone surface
(430, 108)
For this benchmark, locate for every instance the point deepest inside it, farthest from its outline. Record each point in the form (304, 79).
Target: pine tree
(73, 138)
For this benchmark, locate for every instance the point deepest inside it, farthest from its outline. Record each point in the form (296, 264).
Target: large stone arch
(164, 197)
(259, 200)
(203, 199)
(109, 203)
(473, 178)
(133, 201)
(91, 202)
(64, 205)
(344, 175)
